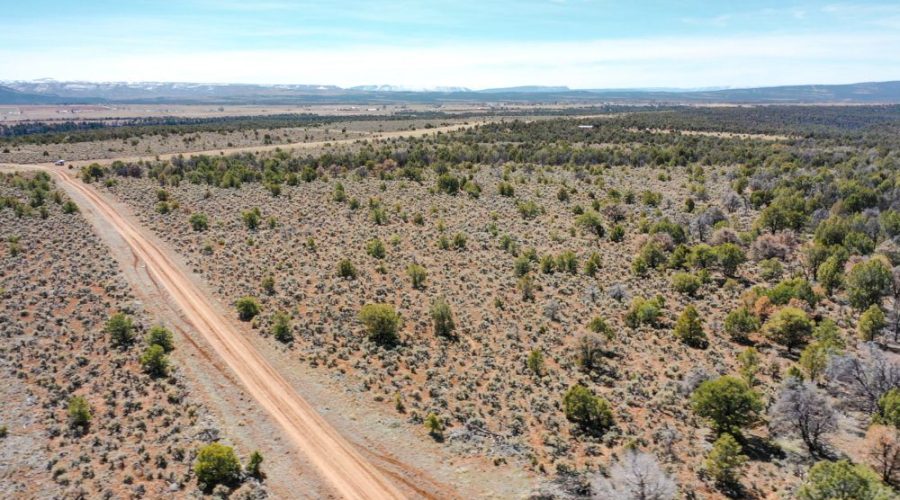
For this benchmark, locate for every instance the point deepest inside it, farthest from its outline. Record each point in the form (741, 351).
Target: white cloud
(687, 62)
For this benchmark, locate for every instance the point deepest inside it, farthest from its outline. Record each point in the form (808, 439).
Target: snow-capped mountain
(404, 88)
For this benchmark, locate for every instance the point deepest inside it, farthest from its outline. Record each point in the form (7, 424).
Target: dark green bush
(591, 413)
(381, 322)
(247, 308)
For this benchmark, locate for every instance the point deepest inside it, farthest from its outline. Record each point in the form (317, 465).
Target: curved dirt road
(340, 464)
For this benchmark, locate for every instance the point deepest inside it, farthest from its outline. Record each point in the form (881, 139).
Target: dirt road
(286, 147)
(339, 463)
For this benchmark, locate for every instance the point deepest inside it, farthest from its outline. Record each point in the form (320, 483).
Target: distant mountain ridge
(49, 91)
(401, 88)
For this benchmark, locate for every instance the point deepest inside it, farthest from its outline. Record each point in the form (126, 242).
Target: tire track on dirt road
(339, 463)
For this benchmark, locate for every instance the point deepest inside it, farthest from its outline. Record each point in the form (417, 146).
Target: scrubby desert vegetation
(93, 404)
(592, 299)
(33, 142)
(715, 311)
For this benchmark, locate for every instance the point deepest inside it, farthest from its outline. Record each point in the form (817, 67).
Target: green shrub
(247, 308)
(309, 174)
(701, 256)
(644, 311)
(832, 231)
(548, 264)
(528, 209)
(274, 188)
(730, 256)
(472, 189)
(378, 215)
(725, 460)
(418, 275)
(254, 466)
(434, 426)
(15, 246)
(120, 329)
(268, 284)
(92, 172)
(506, 189)
(375, 248)
(154, 361)
(728, 403)
(69, 207)
(199, 222)
(787, 211)
(527, 287)
(535, 362)
(689, 328)
(442, 318)
(827, 332)
(346, 269)
(673, 229)
(590, 221)
(591, 413)
(679, 257)
(381, 322)
(281, 328)
(814, 359)
(870, 323)
(650, 198)
(567, 262)
(748, 365)
(867, 282)
(599, 325)
(592, 264)
(339, 195)
(789, 327)
(796, 288)
(770, 269)
(686, 283)
(508, 244)
(162, 337)
(830, 274)
(448, 183)
(459, 241)
(617, 233)
(217, 464)
(521, 266)
(740, 323)
(889, 220)
(251, 218)
(652, 254)
(859, 243)
(842, 480)
(79, 412)
(889, 408)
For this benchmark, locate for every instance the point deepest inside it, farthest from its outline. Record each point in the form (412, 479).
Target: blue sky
(478, 44)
